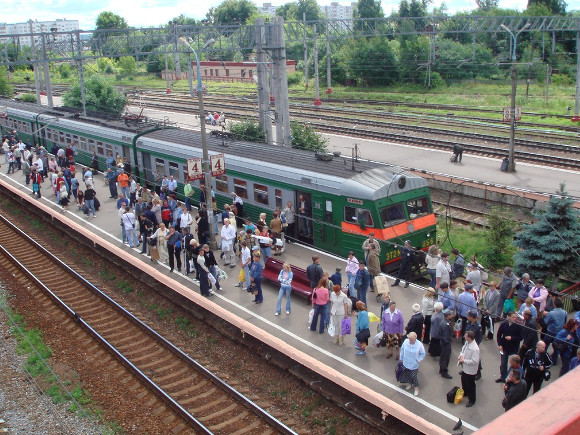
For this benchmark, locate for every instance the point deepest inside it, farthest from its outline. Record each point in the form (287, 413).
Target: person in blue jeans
(555, 321)
(256, 277)
(285, 280)
(320, 297)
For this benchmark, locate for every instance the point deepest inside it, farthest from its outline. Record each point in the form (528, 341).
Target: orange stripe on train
(398, 230)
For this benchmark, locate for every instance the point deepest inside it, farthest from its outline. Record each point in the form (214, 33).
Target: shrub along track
(279, 390)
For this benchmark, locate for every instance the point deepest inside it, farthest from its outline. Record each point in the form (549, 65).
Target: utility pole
(305, 52)
(262, 82)
(46, 67)
(81, 73)
(284, 85)
(275, 82)
(317, 101)
(35, 63)
(576, 117)
(328, 75)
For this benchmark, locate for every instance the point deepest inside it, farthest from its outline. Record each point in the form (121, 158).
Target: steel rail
(139, 374)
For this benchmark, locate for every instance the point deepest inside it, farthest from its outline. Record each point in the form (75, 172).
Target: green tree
(305, 138)
(100, 94)
(109, 20)
(373, 62)
(369, 9)
(182, 20)
(487, 5)
(558, 7)
(551, 246)
(499, 249)
(234, 12)
(6, 90)
(128, 65)
(310, 8)
(288, 11)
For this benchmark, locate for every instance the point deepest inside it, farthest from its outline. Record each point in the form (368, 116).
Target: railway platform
(528, 177)
(372, 372)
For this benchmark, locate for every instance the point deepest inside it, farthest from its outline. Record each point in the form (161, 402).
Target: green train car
(348, 199)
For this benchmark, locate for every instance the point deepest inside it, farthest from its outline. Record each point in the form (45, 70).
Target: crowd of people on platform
(460, 303)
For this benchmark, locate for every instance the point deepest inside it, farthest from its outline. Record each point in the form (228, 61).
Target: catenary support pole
(35, 65)
(317, 101)
(305, 52)
(46, 67)
(81, 73)
(328, 74)
(576, 117)
(284, 85)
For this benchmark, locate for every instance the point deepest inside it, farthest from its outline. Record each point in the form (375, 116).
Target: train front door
(327, 233)
(304, 216)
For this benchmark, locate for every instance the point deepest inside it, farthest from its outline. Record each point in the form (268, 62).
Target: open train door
(304, 223)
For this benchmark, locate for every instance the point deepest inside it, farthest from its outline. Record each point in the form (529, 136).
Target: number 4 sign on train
(218, 164)
(194, 169)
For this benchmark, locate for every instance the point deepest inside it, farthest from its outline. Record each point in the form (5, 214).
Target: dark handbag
(363, 335)
(399, 370)
(451, 394)
(383, 342)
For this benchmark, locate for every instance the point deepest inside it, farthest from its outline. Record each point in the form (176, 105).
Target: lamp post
(206, 166)
(512, 163)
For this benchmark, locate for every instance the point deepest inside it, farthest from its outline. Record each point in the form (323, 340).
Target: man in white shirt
(172, 185)
(469, 359)
(442, 272)
(185, 220)
(228, 234)
(128, 219)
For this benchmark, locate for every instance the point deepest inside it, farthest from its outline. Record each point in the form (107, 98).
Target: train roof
(369, 180)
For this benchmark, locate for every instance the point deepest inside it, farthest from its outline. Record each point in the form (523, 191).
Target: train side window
(418, 207)
(392, 215)
(68, 138)
(83, 143)
(48, 133)
(278, 195)
(61, 137)
(221, 183)
(174, 170)
(358, 216)
(160, 166)
(101, 149)
(261, 194)
(92, 146)
(241, 188)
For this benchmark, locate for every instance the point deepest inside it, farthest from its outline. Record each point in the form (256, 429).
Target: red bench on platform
(300, 283)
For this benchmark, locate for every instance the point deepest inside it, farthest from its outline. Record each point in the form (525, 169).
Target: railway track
(194, 399)
(478, 149)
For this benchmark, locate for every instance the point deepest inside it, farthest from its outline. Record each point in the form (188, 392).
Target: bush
(295, 78)
(28, 98)
(64, 70)
(305, 138)
(100, 95)
(248, 130)
(499, 250)
(128, 65)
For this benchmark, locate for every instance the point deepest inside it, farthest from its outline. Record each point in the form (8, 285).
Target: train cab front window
(418, 207)
(359, 216)
(392, 215)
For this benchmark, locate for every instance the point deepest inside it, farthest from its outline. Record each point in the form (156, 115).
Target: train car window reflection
(278, 195)
(174, 170)
(104, 148)
(418, 207)
(221, 183)
(392, 215)
(241, 188)
(68, 138)
(261, 193)
(358, 216)
(61, 137)
(83, 143)
(160, 166)
(49, 133)
(92, 146)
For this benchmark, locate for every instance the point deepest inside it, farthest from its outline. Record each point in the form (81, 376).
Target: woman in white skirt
(161, 242)
(338, 311)
(412, 353)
